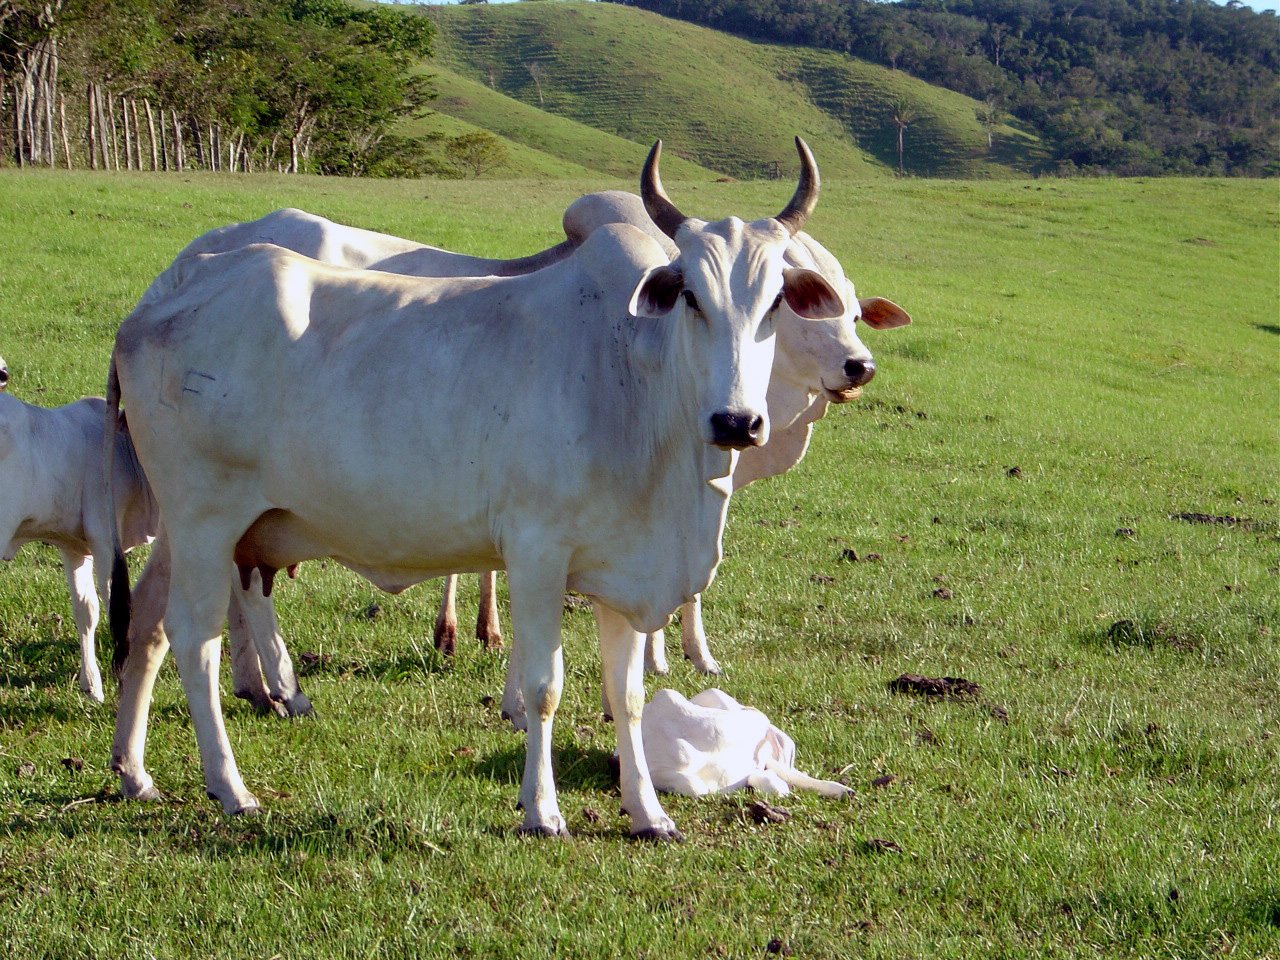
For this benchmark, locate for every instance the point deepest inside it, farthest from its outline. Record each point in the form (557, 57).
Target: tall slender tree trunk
(104, 132)
(62, 121)
(179, 150)
(93, 127)
(115, 133)
(137, 134)
(128, 133)
(151, 135)
(19, 125)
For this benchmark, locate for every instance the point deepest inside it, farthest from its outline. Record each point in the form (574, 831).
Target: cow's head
(825, 356)
(4, 375)
(727, 284)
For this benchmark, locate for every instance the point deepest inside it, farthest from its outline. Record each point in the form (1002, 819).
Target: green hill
(727, 104)
(540, 143)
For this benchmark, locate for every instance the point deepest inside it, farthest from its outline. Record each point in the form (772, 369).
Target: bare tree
(903, 116)
(990, 116)
(538, 73)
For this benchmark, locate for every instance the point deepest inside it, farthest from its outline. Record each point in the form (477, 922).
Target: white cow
(816, 364)
(53, 490)
(574, 425)
(713, 744)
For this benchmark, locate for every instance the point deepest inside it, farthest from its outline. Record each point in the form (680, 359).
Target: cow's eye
(691, 300)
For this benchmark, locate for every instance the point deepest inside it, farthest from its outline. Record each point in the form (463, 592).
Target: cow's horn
(659, 207)
(805, 199)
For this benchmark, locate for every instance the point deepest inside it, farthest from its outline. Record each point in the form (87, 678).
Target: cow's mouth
(843, 395)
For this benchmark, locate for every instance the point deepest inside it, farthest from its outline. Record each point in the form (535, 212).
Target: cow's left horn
(656, 203)
(805, 199)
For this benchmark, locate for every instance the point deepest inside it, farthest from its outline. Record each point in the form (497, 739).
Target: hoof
(299, 706)
(147, 794)
(94, 696)
(519, 722)
(246, 806)
(447, 640)
(658, 835)
(544, 830)
(709, 667)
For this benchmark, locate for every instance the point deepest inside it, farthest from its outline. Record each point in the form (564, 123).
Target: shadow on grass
(1268, 328)
(578, 769)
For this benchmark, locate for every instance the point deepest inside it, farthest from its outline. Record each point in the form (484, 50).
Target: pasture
(1061, 485)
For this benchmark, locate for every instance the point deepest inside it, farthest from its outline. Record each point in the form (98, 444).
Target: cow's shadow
(578, 769)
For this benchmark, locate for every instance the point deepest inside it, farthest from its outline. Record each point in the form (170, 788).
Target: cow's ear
(657, 292)
(809, 295)
(881, 314)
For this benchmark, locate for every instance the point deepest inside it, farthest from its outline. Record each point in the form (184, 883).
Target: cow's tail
(118, 601)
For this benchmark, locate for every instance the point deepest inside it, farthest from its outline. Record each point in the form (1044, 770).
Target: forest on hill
(288, 85)
(1131, 87)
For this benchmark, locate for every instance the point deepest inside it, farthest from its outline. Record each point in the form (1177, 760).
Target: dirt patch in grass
(951, 688)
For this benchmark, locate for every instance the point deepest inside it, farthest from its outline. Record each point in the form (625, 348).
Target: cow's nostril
(737, 430)
(859, 372)
(4, 378)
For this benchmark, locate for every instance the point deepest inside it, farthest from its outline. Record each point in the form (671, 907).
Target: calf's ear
(657, 292)
(881, 314)
(809, 295)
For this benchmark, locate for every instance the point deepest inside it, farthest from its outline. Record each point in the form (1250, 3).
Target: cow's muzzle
(737, 431)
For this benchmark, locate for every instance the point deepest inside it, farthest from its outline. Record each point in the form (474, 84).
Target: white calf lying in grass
(713, 744)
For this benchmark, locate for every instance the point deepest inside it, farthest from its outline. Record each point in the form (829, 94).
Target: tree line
(1132, 87)
(241, 85)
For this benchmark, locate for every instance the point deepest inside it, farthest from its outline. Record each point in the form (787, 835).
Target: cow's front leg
(622, 653)
(277, 666)
(694, 638)
(537, 599)
(193, 621)
(147, 645)
(488, 630)
(84, 608)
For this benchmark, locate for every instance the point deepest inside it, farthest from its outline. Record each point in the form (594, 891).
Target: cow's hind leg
(147, 647)
(282, 681)
(655, 653)
(622, 655)
(85, 608)
(488, 629)
(446, 636)
(694, 638)
(193, 621)
(246, 669)
(537, 585)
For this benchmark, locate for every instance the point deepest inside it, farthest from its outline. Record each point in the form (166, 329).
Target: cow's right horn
(805, 198)
(659, 207)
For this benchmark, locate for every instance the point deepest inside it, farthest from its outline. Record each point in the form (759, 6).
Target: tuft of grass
(1110, 791)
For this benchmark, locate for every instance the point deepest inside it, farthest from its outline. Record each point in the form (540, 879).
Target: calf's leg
(84, 608)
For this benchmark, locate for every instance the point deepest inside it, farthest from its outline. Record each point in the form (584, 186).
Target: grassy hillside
(1116, 342)
(729, 104)
(540, 142)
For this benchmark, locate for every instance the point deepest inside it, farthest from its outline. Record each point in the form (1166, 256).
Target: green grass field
(1118, 342)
